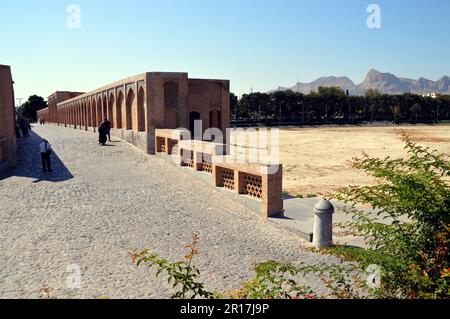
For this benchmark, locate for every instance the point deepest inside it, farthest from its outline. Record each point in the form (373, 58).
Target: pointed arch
(104, 108)
(99, 112)
(111, 102)
(94, 113)
(128, 110)
(215, 119)
(85, 114)
(141, 110)
(88, 113)
(118, 109)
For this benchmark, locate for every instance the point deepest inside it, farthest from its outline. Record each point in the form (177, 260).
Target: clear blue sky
(261, 44)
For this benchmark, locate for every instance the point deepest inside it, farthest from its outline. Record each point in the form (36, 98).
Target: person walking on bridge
(102, 132)
(46, 151)
(108, 125)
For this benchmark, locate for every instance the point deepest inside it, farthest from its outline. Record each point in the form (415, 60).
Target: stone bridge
(102, 202)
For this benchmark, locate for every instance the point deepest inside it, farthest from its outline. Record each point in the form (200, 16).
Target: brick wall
(7, 118)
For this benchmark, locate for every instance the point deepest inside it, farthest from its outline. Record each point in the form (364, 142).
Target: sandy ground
(315, 160)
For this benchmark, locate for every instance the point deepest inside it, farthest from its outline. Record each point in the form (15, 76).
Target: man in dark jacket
(107, 124)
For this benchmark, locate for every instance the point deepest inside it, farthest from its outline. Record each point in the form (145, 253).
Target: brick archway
(119, 107)
(94, 113)
(193, 116)
(111, 104)
(104, 109)
(141, 110)
(215, 119)
(99, 112)
(128, 110)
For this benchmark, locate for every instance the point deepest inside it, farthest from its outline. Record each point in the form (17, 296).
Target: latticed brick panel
(162, 143)
(227, 178)
(253, 185)
(188, 158)
(173, 146)
(171, 94)
(207, 163)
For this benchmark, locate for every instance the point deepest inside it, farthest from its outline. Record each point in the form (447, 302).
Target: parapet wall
(256, 186)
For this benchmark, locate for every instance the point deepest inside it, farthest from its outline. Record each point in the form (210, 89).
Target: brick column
(198, 161)
(217, 175)
(167, 141)
(272, 201)
(239, 182)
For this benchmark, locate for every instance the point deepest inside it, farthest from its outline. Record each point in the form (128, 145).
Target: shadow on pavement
(29, 162)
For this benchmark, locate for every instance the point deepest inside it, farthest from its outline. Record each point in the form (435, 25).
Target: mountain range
(384, 82)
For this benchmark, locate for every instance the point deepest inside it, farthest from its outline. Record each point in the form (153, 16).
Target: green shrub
(183, 276)
(413, 248)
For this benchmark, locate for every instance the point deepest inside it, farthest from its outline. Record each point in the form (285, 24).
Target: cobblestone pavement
(102, 202)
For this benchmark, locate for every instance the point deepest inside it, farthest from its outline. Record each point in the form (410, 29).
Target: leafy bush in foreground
(411, 246)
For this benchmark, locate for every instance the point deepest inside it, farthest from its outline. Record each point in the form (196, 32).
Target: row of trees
(28, 110)
(333, 105)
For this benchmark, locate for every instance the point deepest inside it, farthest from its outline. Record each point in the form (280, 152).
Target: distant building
(7, 119)
(432, 95)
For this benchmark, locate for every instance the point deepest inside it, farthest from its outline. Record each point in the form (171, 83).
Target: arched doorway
(105, 109)
(89, 113)
(99, 112)
(119, 106)
(85, 115)
(141, 110)
(128, 110)
(110, 110)
(193, 116)
(94, 114)
(215, 119)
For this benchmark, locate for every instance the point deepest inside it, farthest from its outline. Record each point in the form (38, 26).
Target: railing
(253, 185)
(167, 140)
(259, 182)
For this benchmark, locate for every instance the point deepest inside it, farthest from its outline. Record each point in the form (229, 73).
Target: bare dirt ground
(315, 160)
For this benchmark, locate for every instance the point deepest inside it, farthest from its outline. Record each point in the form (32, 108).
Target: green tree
(413, 249)
(408, 240)
(373, 93)
(29, 108)
(233, 105)
(416, 110)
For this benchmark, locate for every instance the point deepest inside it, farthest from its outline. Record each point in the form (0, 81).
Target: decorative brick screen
(162, 144)
(227, 178)
(173, 146)
(207, 163)
(171, 94)
(253, 185)
(188, 158)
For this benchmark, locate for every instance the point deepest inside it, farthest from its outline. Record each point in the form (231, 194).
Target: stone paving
(102, 202)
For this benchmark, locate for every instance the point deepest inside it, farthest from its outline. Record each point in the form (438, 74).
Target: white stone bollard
(323, 224)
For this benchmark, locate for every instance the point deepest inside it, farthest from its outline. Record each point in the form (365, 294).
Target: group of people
(23, 127)
(104, 132)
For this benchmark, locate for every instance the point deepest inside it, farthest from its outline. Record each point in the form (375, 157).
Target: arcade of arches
(138, 105)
